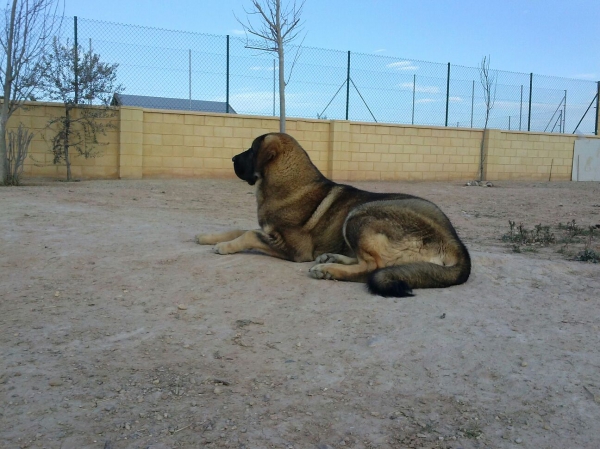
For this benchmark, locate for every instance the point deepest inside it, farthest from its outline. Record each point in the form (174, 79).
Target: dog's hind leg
(211, 239)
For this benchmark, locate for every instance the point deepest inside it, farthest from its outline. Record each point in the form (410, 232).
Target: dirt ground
(119, 331)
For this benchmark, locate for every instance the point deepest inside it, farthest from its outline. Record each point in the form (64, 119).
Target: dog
(393, 242)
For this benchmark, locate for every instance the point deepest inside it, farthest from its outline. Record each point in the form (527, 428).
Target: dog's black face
(244, 163)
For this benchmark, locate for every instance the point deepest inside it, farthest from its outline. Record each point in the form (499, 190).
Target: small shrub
(520, 235)
(588, 255)
(17, 148)
(522, 239)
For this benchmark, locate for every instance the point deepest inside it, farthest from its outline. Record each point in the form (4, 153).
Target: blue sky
(547, 37)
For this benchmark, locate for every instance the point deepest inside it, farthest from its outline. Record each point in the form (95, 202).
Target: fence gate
(586, 160)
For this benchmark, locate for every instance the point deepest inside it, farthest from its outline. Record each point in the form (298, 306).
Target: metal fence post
(413, 105)
(472, 102)
(190, 77)
(530, 94)
(348, 86)
(274, 88)
(597, 108)
(447, 93)
(564, 116)
(521, 108)
(76, 60)
(227, 80)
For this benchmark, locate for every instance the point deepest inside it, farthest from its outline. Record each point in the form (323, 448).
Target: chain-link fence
(333, 84)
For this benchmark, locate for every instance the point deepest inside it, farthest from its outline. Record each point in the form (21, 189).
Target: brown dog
(392, 241)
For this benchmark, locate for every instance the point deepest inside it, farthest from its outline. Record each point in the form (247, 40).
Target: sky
(547, 37)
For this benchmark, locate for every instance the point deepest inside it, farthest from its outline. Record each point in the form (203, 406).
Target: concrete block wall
(189, 144)
(529, 155)
(150, 143)
(393, 152)
(35, 116)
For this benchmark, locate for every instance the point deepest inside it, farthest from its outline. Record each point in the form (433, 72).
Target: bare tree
(25, 36)
(279, 25)
(86, 99)
(488, 82)
(17, 149)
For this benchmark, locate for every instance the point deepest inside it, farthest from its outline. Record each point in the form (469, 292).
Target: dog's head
(252, 164)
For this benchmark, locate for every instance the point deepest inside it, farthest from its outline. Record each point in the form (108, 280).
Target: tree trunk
(66, 143)
(281, 91)
(3, 152)
(482, 155)
(280, 54)
(7, 91)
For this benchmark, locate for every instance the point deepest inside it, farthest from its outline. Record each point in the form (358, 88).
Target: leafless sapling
(26, 33)
(277, 26)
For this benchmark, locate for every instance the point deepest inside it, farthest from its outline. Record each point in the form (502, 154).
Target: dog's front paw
(320, 272)
(204, 239)
(222, 248)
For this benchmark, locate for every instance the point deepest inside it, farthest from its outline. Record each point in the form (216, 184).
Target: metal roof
(179, 104)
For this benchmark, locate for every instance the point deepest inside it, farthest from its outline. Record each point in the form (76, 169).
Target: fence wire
(331, 84)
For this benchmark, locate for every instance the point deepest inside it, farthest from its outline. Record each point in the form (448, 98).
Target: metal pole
(509, 122)
(597, 108)
(227, 82)
(472, 102)
(530, 94)
(564, 113)
(76, 61)
(190, 76)
(447, 93)
(348, 86)
(274, 88)
(90, 100)
(521, 108)
(413, 107)
(586, 111)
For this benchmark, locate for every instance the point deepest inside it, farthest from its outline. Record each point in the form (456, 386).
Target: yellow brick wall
(35, 116)
(404, 152)
(152, 143)
(192, 144)
(529, 155)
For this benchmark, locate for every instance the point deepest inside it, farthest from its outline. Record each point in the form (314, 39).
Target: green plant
(523, 240)
(520, 235)
(85, 86)
(588, 255)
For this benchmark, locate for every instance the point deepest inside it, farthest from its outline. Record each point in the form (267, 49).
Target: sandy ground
(118, 331)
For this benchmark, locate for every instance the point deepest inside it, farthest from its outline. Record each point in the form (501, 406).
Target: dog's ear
(267, 151)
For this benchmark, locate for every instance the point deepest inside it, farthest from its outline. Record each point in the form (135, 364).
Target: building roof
(179, 104)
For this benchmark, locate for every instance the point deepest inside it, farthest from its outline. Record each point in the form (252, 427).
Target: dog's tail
(399, 280)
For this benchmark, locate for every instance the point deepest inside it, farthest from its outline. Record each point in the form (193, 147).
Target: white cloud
(425, 100)
(380, 50)
(587, 76)
(455, 99)
(421, 89)
(238, 32)
(403, 65)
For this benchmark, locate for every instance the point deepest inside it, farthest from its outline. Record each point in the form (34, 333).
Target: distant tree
(26, 31)
(86, 99)
(279, 25)
(488, 83)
